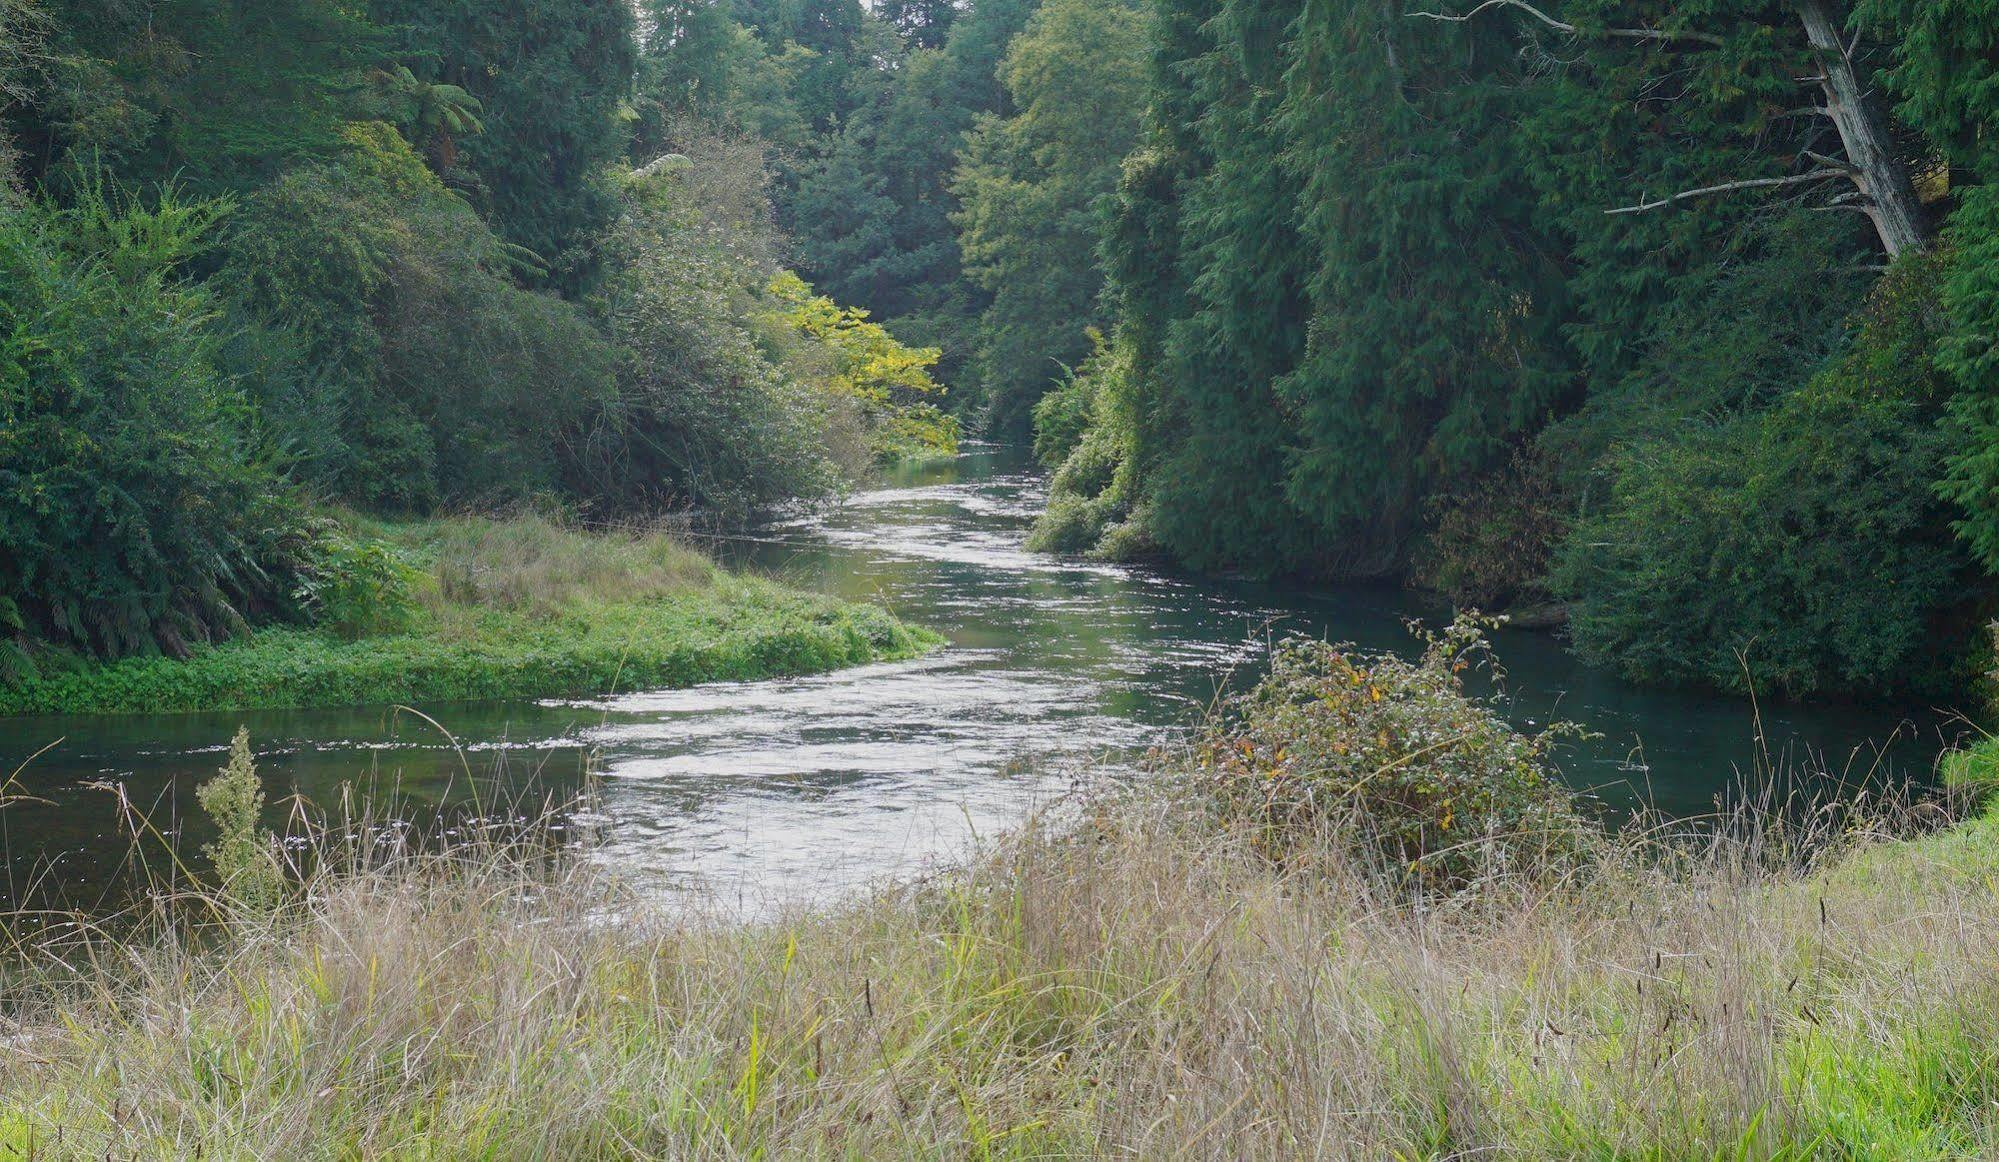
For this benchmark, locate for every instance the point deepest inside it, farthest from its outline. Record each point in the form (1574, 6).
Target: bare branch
(1846, 168)
(1725, 187)
(1572, 30)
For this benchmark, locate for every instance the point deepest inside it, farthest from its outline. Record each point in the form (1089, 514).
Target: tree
(550, 77)
(873, 214)
(1870, 164)
(446, 380)
(1033, 188)
(217, 94)
(699, 63)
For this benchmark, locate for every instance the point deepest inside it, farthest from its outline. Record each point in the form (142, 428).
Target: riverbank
(1314, 932)
(475, 608)
(1130, 983)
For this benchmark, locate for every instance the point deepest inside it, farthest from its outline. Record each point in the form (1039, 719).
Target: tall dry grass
(1125, 984)
(533, 562)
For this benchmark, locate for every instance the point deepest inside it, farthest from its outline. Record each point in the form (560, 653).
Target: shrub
(1802, 548)
(136, 515)
(359, 586)
(1491, 545)
(1426, 780)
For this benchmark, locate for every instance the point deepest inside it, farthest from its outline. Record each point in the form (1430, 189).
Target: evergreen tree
(873, 215)
(1033, 189)
(550, 76)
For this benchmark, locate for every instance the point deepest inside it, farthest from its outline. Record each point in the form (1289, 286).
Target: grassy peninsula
(475, 607)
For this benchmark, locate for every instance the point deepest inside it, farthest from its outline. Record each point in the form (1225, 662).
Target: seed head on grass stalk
(245, 869)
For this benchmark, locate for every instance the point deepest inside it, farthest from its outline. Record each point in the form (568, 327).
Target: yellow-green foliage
(866, 364)
(241, 852)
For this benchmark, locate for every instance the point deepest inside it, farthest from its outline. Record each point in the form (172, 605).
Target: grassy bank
(473, 608)
(1143, 988)
(1150, 976)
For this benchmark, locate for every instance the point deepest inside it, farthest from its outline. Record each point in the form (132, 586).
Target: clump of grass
(531, 562)
(1137, 981)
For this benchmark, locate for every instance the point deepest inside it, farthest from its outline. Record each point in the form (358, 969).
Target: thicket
(138, 513)
(400, 257)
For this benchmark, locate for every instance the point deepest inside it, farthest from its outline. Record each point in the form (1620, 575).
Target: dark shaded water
(779, 789)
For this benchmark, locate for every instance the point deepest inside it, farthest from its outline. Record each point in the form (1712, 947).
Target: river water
(772, 791)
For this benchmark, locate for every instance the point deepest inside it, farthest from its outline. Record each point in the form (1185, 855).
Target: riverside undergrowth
(1140, 972)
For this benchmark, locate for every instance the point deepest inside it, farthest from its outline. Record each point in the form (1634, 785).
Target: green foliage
(448, 380)
(135, 513)
(1944, 73)
(1032, 187)
(1492, 543)
(842, 47)
(698, 62)
(241, 854)
(703, 413)
(1063, 416)
(874, 212)
(357, 586)
(1800, 549)
(1432, 782)
(1774, 304)
(1089, 421)
(1970, 354)
(220, 94)
(549, 77)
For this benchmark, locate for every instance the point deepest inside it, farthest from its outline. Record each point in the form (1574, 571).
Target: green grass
(507, 609)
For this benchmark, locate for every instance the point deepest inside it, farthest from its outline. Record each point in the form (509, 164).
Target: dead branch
(1570, 29)
(1725, 187)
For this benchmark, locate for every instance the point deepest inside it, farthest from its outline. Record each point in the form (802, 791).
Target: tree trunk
(1890, 198)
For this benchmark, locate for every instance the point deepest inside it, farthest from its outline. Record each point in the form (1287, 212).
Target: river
(773, 791)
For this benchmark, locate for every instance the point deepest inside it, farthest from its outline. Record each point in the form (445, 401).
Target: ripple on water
(767, 792)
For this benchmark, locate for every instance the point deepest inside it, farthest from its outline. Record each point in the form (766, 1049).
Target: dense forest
(1679, 313)
(1675, 317)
